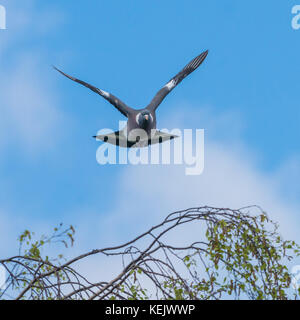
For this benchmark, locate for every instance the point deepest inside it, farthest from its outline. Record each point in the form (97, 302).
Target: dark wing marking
(119, 139)
(189, 68)
(116, 138)
(121, 106)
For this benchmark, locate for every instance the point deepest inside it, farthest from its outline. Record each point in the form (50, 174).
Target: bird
(141, 120)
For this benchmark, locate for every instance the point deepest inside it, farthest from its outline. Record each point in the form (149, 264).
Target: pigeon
(140, 130)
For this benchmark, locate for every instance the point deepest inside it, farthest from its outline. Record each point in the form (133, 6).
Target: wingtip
(203, 55)
(55, 68)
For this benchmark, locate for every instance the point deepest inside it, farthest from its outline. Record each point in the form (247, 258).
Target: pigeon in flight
(142, 122)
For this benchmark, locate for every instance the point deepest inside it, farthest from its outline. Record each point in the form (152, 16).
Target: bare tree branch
(236, 253)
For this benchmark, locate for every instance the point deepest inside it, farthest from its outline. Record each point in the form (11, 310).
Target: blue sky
(245, 96)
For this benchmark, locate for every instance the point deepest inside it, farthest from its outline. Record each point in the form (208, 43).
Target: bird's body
(141, 125)
(142, 119)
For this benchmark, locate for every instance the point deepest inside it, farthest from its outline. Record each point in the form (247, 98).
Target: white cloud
(30, 115)
(289, 176)
(30, 111)
(23, 19)
(144, 195)
(231, 178)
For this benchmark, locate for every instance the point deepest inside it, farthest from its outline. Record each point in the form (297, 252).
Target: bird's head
(144, 118)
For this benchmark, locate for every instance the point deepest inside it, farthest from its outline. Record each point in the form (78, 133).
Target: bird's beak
(146, 117)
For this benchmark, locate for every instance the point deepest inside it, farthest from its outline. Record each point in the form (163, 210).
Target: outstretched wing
(189, 68)
(121, 106)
